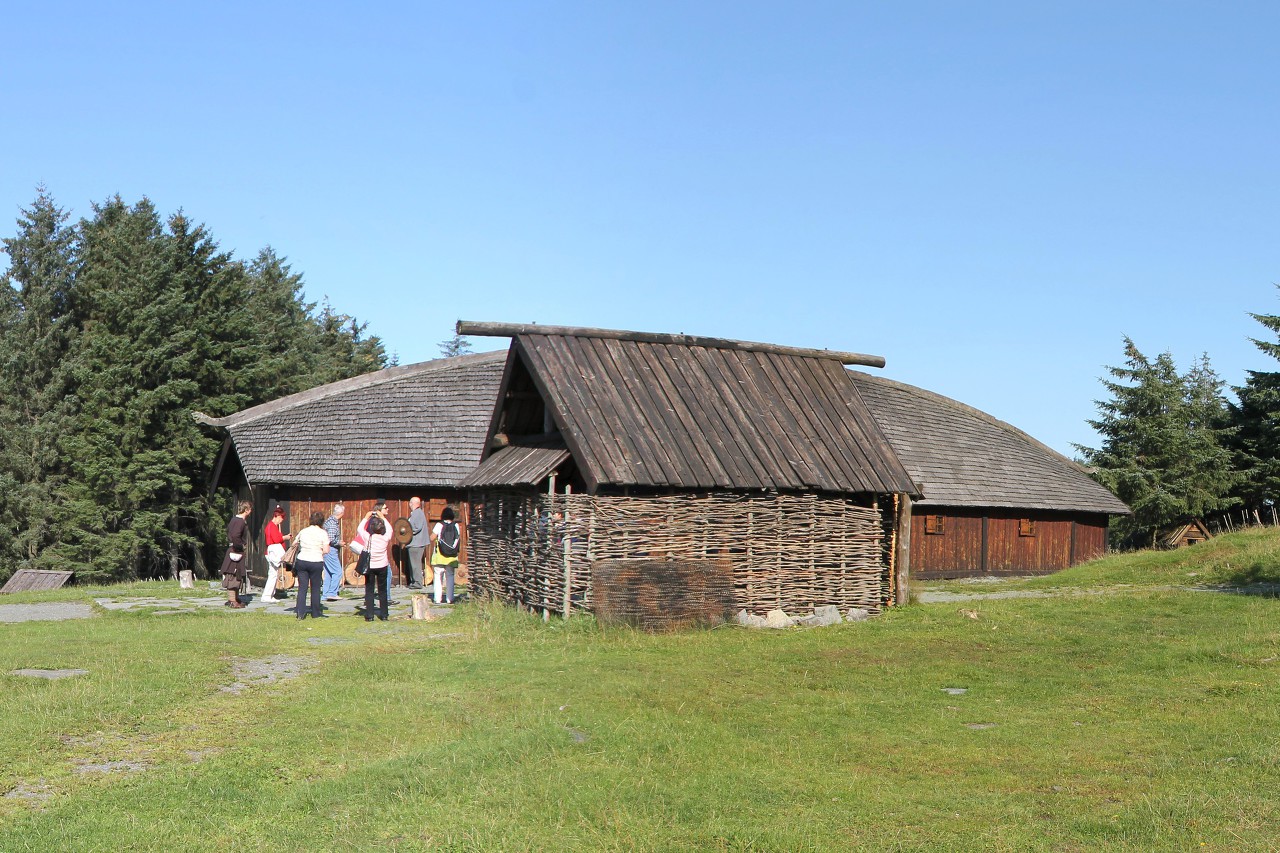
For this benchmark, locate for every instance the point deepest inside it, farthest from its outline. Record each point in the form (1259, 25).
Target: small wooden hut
(389, 435)
(996, 501)
(751, 460)
(1181, 535)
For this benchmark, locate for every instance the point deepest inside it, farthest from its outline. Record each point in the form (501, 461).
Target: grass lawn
(1141, 719)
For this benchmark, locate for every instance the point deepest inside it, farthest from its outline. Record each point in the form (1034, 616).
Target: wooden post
(567, 544)
(422, 608)
(902, 579)
(186, 579)
(546, 576)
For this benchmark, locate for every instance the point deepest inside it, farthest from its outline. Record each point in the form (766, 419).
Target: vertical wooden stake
(546, 576)
(902, 571)
(567, 545)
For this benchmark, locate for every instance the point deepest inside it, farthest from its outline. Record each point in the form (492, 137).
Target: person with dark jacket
(235, 564)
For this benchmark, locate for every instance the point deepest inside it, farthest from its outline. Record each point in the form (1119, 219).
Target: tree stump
(186, 579)
(422, 608)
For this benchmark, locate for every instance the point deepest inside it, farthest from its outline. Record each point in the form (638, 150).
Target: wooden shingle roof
(961, 456)
(417, 425)
(648, 413)
(517, 466)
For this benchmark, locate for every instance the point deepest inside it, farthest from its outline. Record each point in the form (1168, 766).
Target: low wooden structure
(413, 430)
(32, 580)
(996, 501)
(1182, 535)
(613, 446)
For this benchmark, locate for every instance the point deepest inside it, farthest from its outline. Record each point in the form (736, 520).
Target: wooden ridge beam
(512, 330)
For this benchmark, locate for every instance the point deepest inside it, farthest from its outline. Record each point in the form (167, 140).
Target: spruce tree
(1257, 420)
(112, 332)
(1163, 443)
(37, 330)
(455, 346)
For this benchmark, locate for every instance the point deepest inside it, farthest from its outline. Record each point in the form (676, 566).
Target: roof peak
(513, 330)
(342, 386)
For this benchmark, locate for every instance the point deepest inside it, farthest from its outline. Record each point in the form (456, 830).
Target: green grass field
(1143, 717)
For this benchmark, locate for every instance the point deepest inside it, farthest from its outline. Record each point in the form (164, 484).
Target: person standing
(361, 539)
(235, 563)
(313, 544)
(274, 539)
(446, 543)
(418, 544)
(379, 568)
(333, 557)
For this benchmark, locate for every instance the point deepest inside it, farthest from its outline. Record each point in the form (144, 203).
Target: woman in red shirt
(275, 552)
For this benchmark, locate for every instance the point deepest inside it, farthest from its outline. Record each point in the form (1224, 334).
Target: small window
(933, 525)
(1026, 527)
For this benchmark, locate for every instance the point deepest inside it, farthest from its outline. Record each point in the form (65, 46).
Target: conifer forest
(113, 330)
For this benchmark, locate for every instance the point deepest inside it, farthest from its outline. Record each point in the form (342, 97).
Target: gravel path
(54, 610)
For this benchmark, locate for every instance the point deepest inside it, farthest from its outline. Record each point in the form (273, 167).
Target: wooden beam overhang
(514, 330)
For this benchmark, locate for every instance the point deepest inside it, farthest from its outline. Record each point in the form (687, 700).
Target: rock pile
(826, 615)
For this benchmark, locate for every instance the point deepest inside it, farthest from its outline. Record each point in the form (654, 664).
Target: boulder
(778, 619)
(750, 620)
(828, 614)
(857, 614)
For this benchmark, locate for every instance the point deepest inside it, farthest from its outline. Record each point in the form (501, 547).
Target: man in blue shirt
(332, 559)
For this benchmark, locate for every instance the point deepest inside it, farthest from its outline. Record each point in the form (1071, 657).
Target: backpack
(449, 540)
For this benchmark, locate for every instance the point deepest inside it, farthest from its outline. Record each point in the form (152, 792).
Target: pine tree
(343, 349)
(112, 332)
(1257, 421)
(1163, 443)
(455, 346)
(37, 330)
(165, 333)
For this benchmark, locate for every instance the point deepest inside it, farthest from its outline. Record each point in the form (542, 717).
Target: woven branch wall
(793, 552)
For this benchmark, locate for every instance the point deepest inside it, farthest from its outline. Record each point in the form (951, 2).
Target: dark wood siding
(1047, 549)
(1091, 537)
(1059, 540)
(958, 548)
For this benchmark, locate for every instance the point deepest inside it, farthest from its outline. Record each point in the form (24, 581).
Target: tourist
(274, 539)
(446, 543)
(333, 557)
(362, 529)
(376, 580)
(418, 544)
(235, 563)
(313, 544)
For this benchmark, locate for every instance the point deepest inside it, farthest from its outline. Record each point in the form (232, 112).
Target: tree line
(1175, 448)
(113, 330)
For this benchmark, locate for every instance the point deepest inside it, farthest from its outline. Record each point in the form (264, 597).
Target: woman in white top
(313, 544)
(379, 568)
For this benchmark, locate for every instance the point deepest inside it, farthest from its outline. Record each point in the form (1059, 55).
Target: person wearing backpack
(446, 542)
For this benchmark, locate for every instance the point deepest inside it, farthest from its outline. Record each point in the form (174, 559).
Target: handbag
(362, 562)
(290, 556)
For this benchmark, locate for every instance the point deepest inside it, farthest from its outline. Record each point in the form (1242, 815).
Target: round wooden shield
(285, 579)
(404, 531)
(350, 576)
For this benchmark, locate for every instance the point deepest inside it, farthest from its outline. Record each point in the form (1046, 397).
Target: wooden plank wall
(1060, 540)
(958, 548)
(1091, 538)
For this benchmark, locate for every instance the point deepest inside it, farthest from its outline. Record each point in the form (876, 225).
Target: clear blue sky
(990, 195)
